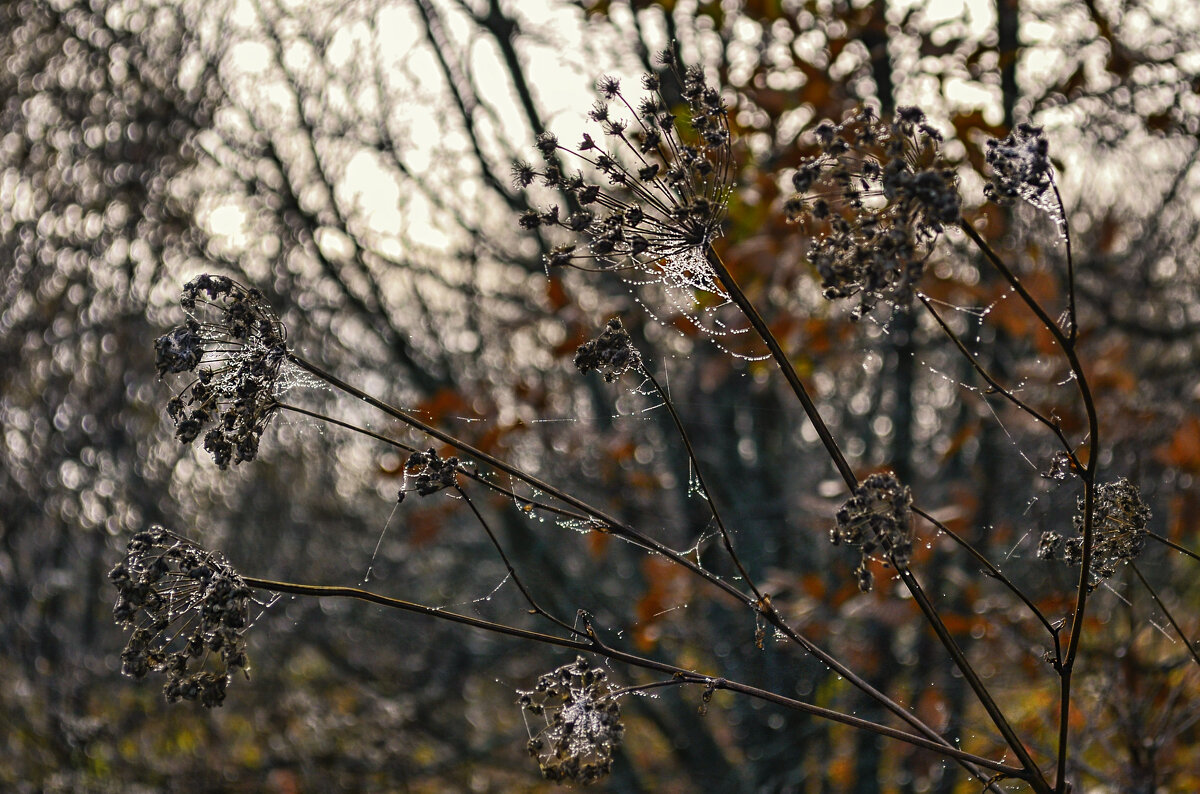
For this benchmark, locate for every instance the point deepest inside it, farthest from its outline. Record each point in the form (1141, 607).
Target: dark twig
(594, 645)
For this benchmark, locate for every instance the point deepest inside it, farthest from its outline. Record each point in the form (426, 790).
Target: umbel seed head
(575, 723)
(873, 200)
(1119, 521)
(187, 612)
(877, 519)
(236, 349)
(612, 353)
(656, 191)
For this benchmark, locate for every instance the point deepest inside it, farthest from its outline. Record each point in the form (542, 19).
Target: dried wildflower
(667, 188)
(236, 347)
(1061, 466)
(876, 518)
(1118, 531)
(187, 609)
(582, 723)
(874, 199)
(1021, 169)
(612, 353)
(426, 473)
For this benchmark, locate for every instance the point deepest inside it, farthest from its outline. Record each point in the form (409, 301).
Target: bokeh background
(351, 159)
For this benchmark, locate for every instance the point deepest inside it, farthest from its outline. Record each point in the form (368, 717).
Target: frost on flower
(872, 201)
(1021, 169)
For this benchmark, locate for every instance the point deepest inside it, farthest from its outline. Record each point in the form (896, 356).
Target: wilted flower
(873, 200)
(188, 612)
(1118, 531)
(877, 517)
(236, 347)
(582, 723)
(1021, 169)
(426, 473)
(667, 188)
(612, 353)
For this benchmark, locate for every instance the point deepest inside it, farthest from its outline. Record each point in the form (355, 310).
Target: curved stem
(612, 524)
(992, 570)
(1173, 545)
(1073, 330)
(594, 645)
(995, 384)
(533, 604)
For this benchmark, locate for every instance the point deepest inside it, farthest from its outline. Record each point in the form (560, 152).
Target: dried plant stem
(628, 533)
(1087, 473)
(726, 538)
(679, 674)
(992, 570)
(973, 679)
(533, 604)
(474, 475)
(785, 365)
(764, 332)
(1055, 427)
(1173, 545)
(1174, 624)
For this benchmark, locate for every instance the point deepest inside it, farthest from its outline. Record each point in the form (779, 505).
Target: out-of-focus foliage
(352, 161)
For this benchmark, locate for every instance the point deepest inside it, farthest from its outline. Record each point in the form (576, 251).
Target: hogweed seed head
(187, 610)
(580, 723)
(427, 473)
(664, 191)
(877, 518)
(1119, 521)
(236, 347)
(873, 200)
(612, 353)
(1021, 169)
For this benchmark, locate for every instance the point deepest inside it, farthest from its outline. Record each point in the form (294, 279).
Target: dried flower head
(1118, 530)
(876, 518)
(188, 612)
(237, 348)
(612, 353)
(873, 200)
(667, 187)
(582, 723)
(426, 473)
(1021, 169)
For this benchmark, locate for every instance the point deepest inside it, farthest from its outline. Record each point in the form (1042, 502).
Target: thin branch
(1172, 544)
(474, 475)
(785, 365)
(628, 533)
(1055, 427)
(533, 604)
(726, 538)
(594, 645)
(972, 678)
(1174, 624)
(992, 570)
